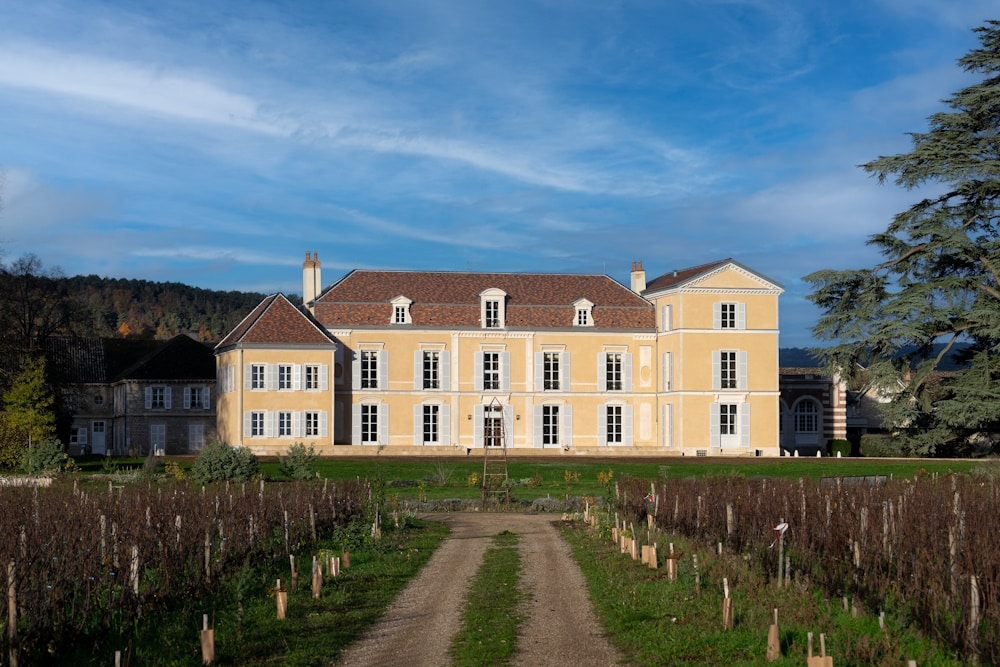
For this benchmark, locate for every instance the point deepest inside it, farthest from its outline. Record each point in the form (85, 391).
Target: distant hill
(118, 307)
(797, 357)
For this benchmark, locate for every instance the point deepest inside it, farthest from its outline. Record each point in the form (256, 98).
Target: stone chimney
(638, 278)
(311, 281)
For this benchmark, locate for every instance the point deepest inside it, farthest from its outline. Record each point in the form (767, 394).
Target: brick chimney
(311, 281)
(638, 278)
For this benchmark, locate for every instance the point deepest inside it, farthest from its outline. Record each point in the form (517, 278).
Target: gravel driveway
(560, 628)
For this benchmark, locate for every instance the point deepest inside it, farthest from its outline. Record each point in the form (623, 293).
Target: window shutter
(714, 433)
(716, 315)
(668, 425)
(271, 373)
(666, 316)
(247, 423)
(206, 398)
(166, 397)
(324, 425)
(716, 369)
(444, 425)
(602, 372)
(298, 424)
(505, 371)
(356, 371)
(627, 371)
(745, 425)
(356, 424)
(668, 371)
(418, 424)
(602, 425)
(418, 370)
(149, 397)
(383, 373)
(567, 431)
(297, 377)
(324, 377)
(627, 426)
(741, 316)
(187, 398)
(445, 373)
(479, 371)
(539, 371)
(269, 424)
(477, 426)
(383, 424)
(508, 425)
(741, 381)
(338, 422)
(537, 426)
(247, 376)
(564, 372)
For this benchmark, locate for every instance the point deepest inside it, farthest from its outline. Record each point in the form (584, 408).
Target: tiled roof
(446, 299)
(276, 320)
(180, 358)
(100, 360)
(680, 276)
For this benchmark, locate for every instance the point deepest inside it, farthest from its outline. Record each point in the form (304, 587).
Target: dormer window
(584, 313)
(492, 308)
(401, 310)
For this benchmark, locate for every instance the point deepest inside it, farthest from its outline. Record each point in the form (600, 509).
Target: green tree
(29, 405)
(937, 292)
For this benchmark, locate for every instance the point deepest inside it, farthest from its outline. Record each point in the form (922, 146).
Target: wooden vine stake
(207, 642)
(345, 559)
(317, 578)
(773, 640)
(727, 606)
(671, 564)
(281, 600)
(822, 660)
(295, 573)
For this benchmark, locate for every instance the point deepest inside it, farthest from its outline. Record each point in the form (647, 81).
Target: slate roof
(180, 358)
(451, 300)
(276, 320)
(94, 360)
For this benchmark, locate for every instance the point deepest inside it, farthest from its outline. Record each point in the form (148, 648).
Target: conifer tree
(29, 404)
(937, 292)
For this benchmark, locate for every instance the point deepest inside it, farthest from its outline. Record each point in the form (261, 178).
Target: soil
(560, 626)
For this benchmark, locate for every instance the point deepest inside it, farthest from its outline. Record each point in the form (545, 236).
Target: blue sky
(215, 143)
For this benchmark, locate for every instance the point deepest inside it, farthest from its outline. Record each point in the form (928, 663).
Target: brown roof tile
(445, 299)
(674, 278)
(276, 320)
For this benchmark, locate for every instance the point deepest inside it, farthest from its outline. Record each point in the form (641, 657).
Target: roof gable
(276, 320)
(724, 274)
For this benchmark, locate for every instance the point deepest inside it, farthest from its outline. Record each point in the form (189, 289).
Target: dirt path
(560, 629)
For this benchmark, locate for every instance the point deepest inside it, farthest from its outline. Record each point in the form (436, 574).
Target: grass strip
(492, 612)
(655, 621)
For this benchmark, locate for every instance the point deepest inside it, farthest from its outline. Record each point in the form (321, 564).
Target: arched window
(806, 417)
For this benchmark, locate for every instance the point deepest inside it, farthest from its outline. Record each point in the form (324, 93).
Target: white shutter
(418, 424)
(741, 381)
(356, 424)
(477, 426)
(478, 361)
(298, 424)
(324, 377)
(248, 376)
(206, 398)
(269, 424)
(717, 315)
(716, 369)
(505, 371)
(271, 373)
(567, 425)
(383, 373)
(539, 371)
(383, 424)
(297, 377)
(418, 370)
(667, 371)
(324, 425)
(715, 437)
(602, 372)
(744, 424)
(627, 428)
(445, 370)
(247, 423)
(356, 371)
(149, 397)
(187, 398)
(741, 316)
(666, 317)
(166, 397)
(564, 373)
(444, 424)
(537, 426)
(627, 371)
(602, 425)
(508, 425)
(668, 425)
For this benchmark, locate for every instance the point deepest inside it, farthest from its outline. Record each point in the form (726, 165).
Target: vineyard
(84, 564)
(926, 547)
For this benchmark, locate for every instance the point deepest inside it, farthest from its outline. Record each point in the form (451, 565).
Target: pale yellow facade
(702, 381)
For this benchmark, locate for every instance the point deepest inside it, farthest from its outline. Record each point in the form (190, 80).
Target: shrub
(839, 446)
(879, 445)
(43, 458)
(220, 461)
(298, 461)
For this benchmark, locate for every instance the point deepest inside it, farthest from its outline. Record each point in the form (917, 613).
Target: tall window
(257, 376)
(369, 423)
(432, 370)
(285, 424)
(613, 371)
(369, 369)
(492, 314)
(284, 376)
(399, 315)
(158, 398)
(728, 376)
(312, 424)
(493, 426)
(613, 426)
(431, 424)
(491, 371)
(196, 397)
(196, 437)
(550, 425)
(728, 316)
(256, 424)
(806, 417)
(550, 371)
(312, 376)
(727, 419)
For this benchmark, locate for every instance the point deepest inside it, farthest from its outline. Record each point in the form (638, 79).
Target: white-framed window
(730, 426)
(196, 437)
(491, 371)
(312, 424)
(401, 310)
(369, 369)
(285, 425)
(729, 369)
(158, 398)
(158, 439)
(614, 371)
(553, 425)
(492, 314)
(550, 371)
(492, 310)
(614, 424)
(78, 435)
(399, 315)
(493, 431)
(431, 369)
(431, 426)
(584, 313)
(369, 423)
(258, 374)
(727, 418)
(729, 315)
(315, 377)
(285, 376)
(806, 417)
(550, 425)
(196, 397)
(256, 429)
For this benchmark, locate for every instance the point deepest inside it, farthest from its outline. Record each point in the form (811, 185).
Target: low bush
(838, 446)
(44, 458)
(298, 462)
(220, 461)
(879, 445)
